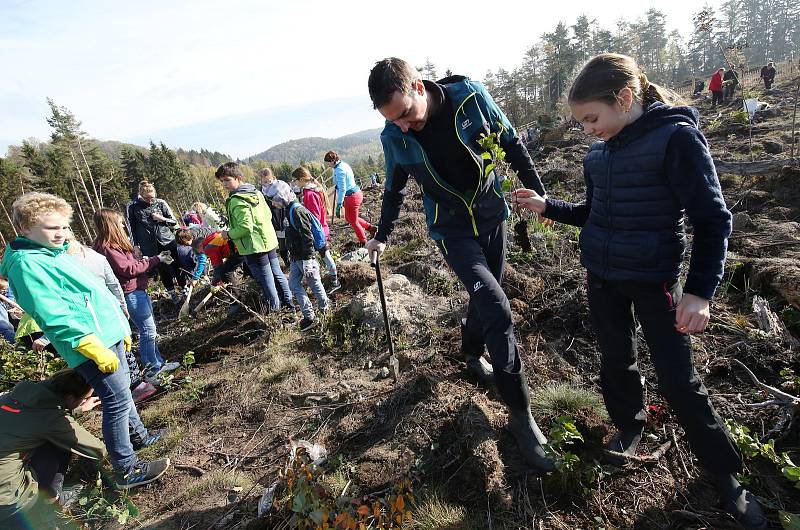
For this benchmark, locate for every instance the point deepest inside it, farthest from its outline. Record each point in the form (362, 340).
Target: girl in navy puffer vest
(649, 171)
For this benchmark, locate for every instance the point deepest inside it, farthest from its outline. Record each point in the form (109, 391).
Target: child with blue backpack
(313, 197)
(303, 235)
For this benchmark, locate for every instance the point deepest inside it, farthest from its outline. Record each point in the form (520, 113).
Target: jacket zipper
(433, 176)
(91, 310)
(609, 217)
(474, 158)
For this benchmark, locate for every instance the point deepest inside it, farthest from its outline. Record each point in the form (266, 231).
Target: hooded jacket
(639, 185)
(314, 202)
(451, 212)
(66, 301)
(299, 238)
(30, 415)
(146, 232)
(250, 221)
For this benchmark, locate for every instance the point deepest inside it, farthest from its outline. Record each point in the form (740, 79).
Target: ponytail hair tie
(645, 84)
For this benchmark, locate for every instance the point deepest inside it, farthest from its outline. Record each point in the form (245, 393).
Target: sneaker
(69, 496)
(335, 285)
(142, 473)
(143, 391)
(153, 435)
(307, 323)
(169, 367)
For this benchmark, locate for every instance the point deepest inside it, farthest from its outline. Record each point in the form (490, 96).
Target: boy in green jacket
(37, 439)
(83, 321)
(251, 230)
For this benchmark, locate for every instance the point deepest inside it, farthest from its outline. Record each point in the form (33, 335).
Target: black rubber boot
(739, 502)
(513, 388)
(477, 365)
(625, 442)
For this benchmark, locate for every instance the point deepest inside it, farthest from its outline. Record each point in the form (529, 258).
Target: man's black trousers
(479, 262)
(612, 304)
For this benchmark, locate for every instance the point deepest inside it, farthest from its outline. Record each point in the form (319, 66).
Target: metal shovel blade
(185, 307)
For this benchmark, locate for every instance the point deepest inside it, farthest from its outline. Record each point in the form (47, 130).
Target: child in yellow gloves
(84, 323)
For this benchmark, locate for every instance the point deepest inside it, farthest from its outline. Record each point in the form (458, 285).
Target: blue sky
(243, 75)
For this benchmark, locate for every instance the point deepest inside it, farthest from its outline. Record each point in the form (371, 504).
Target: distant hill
(352, 147)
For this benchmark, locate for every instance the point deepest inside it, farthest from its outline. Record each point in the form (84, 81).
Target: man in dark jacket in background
(768, 75)
(431, 133)
(729, 82)
(152, 225)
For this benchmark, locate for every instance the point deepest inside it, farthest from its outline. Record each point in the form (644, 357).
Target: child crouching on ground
(302, 263)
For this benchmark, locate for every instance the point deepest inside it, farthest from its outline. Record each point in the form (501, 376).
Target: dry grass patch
(280, 366)
(563, 398)
(433, 513)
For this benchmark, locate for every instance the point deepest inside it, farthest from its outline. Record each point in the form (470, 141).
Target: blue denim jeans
(6, 329)
(141, 310)
(296, 283)
(280, 279)
(261, 269)
(120, 417)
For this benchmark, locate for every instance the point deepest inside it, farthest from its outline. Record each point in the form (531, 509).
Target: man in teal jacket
(432, 132)
(83, 321)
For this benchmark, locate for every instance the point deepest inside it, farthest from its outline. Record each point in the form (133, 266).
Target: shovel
(394, 364)
(185, 307)
(205, 300)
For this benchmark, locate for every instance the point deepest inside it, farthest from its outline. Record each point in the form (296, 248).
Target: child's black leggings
(612, 304)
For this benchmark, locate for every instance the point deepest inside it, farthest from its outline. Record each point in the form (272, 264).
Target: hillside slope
(352, 147)
(259, 383)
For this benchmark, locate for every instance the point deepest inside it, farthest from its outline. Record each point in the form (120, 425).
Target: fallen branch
(655, 456)
(186, 467)
(749, 168)
(247, 307)
(788, 405)
(782, 397)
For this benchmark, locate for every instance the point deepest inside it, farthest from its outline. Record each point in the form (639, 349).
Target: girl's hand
(692, 314)
(528, 199)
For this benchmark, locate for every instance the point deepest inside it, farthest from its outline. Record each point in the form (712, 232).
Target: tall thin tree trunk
(91, 177)
(83, 182)
(794, 122)
(80, 211)
(9, 219)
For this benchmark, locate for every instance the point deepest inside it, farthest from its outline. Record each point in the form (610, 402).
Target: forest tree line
(92, 174)
(748, 32)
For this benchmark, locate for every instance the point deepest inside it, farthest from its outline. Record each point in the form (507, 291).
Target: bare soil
(263, 385)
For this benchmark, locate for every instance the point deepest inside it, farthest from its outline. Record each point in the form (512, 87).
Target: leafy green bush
(752, 448)
(20, 365)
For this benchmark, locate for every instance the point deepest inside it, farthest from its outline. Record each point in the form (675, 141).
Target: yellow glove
(105, 359)
(128, 343)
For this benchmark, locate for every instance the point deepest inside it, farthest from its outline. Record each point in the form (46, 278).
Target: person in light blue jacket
(349, 195)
